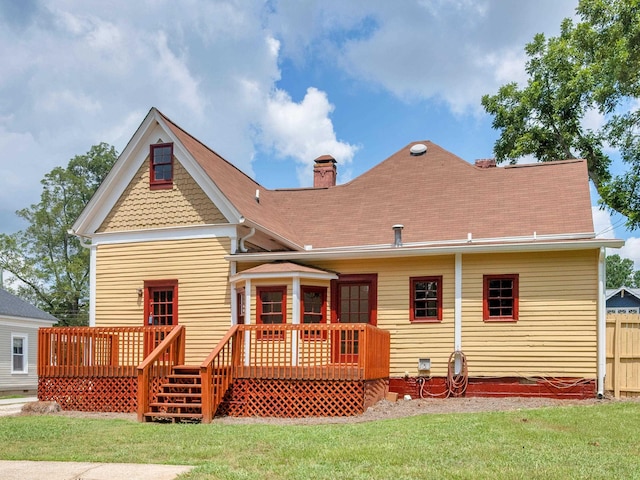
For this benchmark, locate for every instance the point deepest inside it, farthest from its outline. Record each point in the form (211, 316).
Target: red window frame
(415, 302)
(240, 306)
(153, 286)
(261, 315)
(321, 316)
(496, 298)
(162, 183)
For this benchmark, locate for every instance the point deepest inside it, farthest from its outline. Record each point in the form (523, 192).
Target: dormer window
(161, 167)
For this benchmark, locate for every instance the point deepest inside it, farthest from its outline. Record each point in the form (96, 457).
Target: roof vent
(418, 149)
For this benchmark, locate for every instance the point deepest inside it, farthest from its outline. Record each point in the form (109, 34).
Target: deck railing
(158, 365)
(320, 351)
(95, 351)
(351, 352)
(217, 373)
(293, 352)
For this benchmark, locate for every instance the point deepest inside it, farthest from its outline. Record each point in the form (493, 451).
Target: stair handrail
(224, 372)
(174, 344)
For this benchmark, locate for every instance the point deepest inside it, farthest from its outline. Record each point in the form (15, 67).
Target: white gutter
(407, 251)
(602, 323)
(286, 242)
(468, 240)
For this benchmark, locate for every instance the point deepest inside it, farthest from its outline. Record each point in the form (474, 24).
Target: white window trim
(25, 350)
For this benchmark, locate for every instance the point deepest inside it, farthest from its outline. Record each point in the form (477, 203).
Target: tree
(593, 65)
(619, 272)
(51, 268)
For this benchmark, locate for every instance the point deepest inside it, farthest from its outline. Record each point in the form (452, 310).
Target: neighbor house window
(314, 310)
(271, 310)
(161, 167)
(500, 298)
(426, 299)
(19, 363)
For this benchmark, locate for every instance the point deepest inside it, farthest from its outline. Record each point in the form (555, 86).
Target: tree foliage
(592, 66)
(620, 272)
(50, 267)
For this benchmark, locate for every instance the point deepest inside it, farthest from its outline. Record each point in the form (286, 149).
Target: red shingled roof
(437, 196)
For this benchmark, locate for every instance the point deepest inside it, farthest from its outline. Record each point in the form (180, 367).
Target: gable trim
(618, 290)
(127, 165)
(24, 322)
(166, 233)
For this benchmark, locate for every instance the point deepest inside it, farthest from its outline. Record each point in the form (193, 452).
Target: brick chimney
(486, 163)
(324, 172)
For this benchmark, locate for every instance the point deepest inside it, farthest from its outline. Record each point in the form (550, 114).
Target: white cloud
(303, 131)
(173, 76)
(602, 223)
(76, 73)
(454, 51)
(631, 250)
(604, 229)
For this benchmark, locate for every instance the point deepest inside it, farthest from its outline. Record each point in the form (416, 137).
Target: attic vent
(418, 149)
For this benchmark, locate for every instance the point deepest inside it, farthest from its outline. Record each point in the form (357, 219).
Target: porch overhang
(282, 270)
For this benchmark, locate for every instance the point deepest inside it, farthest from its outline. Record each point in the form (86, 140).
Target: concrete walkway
(13, 406)
(26, 470)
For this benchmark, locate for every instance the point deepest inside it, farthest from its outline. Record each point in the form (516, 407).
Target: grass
(601, 441)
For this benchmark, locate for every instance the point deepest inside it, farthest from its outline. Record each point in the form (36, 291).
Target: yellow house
(485, 280)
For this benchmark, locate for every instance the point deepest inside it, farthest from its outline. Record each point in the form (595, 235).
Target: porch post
(92, 285)
(234, 300)
(295, 312)
(247, 320)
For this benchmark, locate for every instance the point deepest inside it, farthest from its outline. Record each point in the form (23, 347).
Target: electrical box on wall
(424, 364)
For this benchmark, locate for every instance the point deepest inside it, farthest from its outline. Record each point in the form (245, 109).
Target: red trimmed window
(240, 306)
(271, 310)
(314, 310)
(161, 166)
(426, 299)
(500, 298)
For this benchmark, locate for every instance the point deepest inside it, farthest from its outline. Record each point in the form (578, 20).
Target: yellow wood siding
(140, 207)
(203, 288)
(556, 333)
(409, 341)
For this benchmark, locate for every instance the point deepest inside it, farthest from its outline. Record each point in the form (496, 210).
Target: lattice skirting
(94, 394)
(300, 398)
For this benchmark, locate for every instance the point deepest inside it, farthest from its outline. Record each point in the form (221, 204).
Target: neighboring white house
(19, 324)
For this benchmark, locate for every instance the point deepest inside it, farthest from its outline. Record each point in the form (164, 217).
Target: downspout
(457, 312)
(251, 233)
(602, 323)
(92, 275)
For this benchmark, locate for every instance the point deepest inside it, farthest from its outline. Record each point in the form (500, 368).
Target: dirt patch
(406, 408)
(382, 410)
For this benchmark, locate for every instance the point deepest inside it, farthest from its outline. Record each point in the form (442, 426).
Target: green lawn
(599, 441)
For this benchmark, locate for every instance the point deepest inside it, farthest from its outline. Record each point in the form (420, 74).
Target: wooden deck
(124, 368)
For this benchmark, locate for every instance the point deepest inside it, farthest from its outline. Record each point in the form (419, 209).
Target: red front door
(354, 301)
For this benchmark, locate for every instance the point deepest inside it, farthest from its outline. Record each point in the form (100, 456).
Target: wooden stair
(180, 399)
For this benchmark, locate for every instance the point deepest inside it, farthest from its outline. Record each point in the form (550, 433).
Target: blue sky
(270, 85)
